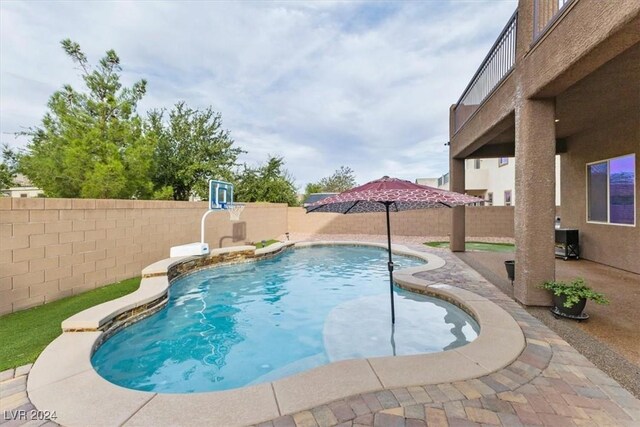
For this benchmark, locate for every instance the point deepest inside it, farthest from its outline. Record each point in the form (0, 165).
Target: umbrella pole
(390, 266)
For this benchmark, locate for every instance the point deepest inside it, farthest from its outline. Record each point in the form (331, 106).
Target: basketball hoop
(220, 198)
(235, 210)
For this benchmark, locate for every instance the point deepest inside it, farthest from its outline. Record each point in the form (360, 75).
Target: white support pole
(202, 224)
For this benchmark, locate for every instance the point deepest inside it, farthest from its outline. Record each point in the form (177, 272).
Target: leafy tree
(191, 148)
(312, 187)
(7, 167)
(91, 143)
(269, 182)
(342, 179)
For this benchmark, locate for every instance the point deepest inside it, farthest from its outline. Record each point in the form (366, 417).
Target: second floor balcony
(501, 59)
(476, 179)
(496, 66)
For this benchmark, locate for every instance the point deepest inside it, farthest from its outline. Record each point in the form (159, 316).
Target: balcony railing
(444, 179)
(495, 67)
(545, 13)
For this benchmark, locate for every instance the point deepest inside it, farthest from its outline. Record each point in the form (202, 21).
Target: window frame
(635, 186)
(506, 161)
(510, 197)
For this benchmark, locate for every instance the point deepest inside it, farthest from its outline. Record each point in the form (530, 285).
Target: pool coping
(62, 376)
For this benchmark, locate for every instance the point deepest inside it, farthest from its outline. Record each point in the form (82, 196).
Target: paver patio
(613, 323)
(611, 338)
(550, 383)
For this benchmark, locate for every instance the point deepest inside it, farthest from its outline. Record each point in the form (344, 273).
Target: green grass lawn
(259, 245)
(478, 246)
(26, 333)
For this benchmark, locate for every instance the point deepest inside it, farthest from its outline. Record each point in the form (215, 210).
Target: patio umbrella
(390, 194)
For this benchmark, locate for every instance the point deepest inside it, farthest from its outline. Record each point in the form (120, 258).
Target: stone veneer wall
(52, 248)
(487, 221)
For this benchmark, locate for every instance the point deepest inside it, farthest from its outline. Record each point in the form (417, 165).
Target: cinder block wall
(52, 248)
(487, 221)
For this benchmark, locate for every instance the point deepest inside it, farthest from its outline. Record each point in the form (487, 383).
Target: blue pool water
(242, 324)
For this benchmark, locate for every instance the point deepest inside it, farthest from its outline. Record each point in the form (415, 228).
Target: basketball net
(235, 210)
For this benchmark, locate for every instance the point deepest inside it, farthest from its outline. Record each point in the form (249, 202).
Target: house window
(507, 198)
(611, 191)
(503, 161)
(489, 199)
(476, 164)
(23, 194)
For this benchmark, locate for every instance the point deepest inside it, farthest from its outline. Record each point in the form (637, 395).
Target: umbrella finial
(385, 177)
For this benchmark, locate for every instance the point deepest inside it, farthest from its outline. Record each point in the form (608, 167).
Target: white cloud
(324, 84)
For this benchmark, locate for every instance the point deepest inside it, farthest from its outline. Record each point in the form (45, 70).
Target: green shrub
(265, 243)
(574, 292)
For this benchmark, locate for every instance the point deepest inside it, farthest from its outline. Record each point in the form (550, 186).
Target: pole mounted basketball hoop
(220, 198)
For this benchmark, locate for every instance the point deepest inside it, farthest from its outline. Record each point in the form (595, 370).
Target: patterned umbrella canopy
(399, 194)
(390, 194)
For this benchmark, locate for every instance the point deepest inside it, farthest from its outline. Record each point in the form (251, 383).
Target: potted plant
(510, 265)
(570, 299)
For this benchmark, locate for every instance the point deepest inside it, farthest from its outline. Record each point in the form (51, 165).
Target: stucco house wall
(610, 244)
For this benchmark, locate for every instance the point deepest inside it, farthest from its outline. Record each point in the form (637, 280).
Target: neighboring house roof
(314, 197)
(21, 185)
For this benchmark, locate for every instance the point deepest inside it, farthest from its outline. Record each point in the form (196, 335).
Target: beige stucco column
(456, 183)
(535, 200)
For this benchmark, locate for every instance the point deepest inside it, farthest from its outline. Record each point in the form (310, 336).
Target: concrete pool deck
(547, 383)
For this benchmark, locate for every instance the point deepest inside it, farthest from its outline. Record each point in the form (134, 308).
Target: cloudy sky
(322, 83)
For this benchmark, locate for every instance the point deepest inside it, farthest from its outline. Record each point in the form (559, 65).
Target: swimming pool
(235, 325)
